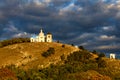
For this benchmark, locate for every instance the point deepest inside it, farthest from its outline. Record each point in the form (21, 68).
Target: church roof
(49, 33)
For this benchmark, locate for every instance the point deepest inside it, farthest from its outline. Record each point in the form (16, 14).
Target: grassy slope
(28, 55)
(112, 69)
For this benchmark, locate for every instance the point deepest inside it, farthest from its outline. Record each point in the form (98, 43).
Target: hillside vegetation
(13, 41)
(55, 61)
(28, 55)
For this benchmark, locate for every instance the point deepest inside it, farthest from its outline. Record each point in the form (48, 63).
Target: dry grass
(88, 75)
(6, 74)
(28, 55)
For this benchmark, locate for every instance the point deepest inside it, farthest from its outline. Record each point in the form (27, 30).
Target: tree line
(13, 41)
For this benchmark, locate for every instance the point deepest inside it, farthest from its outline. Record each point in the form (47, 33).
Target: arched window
(49, 36)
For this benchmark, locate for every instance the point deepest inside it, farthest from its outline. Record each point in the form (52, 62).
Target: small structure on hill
(112, 56)
(41, 37)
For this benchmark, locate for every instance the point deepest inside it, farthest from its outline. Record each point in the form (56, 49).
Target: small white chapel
(41, 37)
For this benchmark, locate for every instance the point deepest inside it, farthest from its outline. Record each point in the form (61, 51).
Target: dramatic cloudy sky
(94, 24)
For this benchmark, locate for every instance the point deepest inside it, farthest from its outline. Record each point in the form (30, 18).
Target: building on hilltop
(112, 56)
(41, 37)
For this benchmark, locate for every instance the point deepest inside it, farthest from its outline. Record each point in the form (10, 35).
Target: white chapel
(41, 37)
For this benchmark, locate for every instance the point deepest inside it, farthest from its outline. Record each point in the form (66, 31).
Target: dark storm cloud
(81, 22)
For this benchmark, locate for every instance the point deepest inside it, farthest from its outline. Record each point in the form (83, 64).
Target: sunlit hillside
(59, 62)
(28, 55)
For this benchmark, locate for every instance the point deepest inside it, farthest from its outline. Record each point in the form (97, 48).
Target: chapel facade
(41, 37)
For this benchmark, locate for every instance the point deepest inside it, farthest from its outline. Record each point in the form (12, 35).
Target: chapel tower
(49, 37)
(41, 37)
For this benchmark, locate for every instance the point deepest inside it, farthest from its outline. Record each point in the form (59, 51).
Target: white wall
(48, 38)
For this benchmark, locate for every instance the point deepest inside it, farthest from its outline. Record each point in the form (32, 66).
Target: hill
(28, 55)
(25, 61)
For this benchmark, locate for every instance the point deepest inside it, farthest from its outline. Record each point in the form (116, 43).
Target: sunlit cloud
(70, 8)
(22, 34)
(108, 47)
(105, 37)
(89, 23)
(109, 28)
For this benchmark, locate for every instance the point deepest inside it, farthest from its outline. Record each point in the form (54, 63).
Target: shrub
(79, 56)
(45, 54)
(101, 63)
(63, 46)
(48, 52)
(58, 41)
(94, 52)
(51, 50)
(72, 45)
(101, 55)
(62, 57)
(81, 47)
